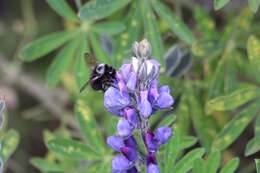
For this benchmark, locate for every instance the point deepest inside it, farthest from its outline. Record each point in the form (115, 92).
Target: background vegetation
(210, 56)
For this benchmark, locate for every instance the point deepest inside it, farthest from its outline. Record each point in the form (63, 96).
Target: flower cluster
(135, 98)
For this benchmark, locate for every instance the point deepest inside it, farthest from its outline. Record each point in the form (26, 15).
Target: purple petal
(120, 163)
(129, 153)
(164, 100)
(144, 105)
(115, 101)
(131, 116)
(151, 142)
(131, 142)
(131, 82)
(153, 168)
(163, 134)
(116, 171)
(125, 70)
(153, 92)
(164, 88)
(124, 128)
(155, 68)
(115, 142)
(132, 170)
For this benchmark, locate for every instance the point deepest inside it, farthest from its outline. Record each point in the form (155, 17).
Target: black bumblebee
(102, 77)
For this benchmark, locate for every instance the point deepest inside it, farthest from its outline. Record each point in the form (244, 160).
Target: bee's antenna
(84, 86)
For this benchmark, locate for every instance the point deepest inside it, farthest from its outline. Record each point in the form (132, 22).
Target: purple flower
(115, 142)
(124, 128)
(135, 97)
(129, 153)
(115, 101)
(131, 116)
(144, 106)
(120, 163)
(150, 141)
(163, 134)
(131, 142)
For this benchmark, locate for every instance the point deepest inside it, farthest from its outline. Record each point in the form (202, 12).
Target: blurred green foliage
(217, 97)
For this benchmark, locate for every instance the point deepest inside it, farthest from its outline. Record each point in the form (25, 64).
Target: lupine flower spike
(135, 99)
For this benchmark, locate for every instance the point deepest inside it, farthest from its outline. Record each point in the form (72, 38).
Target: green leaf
(109, 28)
(213, 161)
(99, 51)
(47, 166)
(253, 50)
(188, 141)
(231, 166)
(151, 30)
(257, 126)
(72, 149)
(205, 23)
(176, 25)
(63, 9)
(10, 141)
(235, 127)
(88, 126)
(186, 163)
(81, 69)
(61, 63)
(206, 48)
(253, 146)
(254, 5)
(172, 149)
(204, 125)
(233, 100)
(199, 166)
(99, 9)
(218, 4)
(44, 45)
(257, 164)
(132, 33)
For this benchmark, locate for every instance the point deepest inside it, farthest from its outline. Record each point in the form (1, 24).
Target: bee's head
(100, 69)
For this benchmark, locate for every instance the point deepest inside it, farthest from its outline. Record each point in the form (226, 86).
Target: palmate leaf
(218, 4)
(233, 100)
(231, 166)
(186, 162)
(72, 149)
(235, 127)
(254, 5)
(47, 166)
(99, 9)
(10, 141)
(176, 25)
(109, 28)
(81, 69)
(63, 9)
(38, 48)
(61, 63)
(151, 30)
(88, 126)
